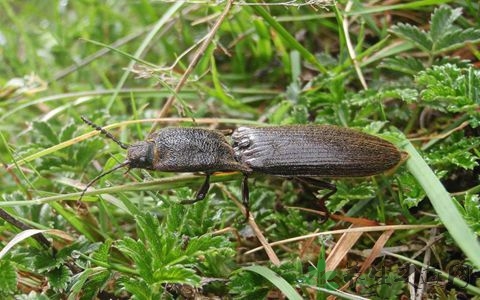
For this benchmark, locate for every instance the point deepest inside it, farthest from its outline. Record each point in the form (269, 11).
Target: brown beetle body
(296, 151)
(313, 151)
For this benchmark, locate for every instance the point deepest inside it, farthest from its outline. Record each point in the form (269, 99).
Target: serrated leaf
(86, 151)
(176, 274)
(458, 153)
(137, 288)
(8, 278)
(456, 39)
(59, 278)
(103, 252)
(414, 35)
(160, 246)
(450, 88)
(407, 65)
(442, 20)
(203, 243)
(218, 264)
(43, 261)
(413, 194)
(472, 212)
(404, 94)
(67, 131)
(46, 131)
(77, 283)
(32, 296)
(137, 251)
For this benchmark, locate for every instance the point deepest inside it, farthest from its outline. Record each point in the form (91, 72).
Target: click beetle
(304, 152)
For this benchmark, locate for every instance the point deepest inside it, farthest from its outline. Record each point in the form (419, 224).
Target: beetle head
(140, 155)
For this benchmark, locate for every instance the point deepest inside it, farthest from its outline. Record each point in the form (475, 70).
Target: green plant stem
(456, 281)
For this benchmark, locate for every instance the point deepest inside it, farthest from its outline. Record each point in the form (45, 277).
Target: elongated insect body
(298, 151)
(313, 151)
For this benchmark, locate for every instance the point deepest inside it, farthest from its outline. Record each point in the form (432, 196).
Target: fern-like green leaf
(472, 212)
(442, 21)
(413, 34)
(32, 296)
(203, 243)
(59, 278)
(8, 278)
(450, 88)
(137, 251)
(443, 35)
(459, 154)
(404, 94)
(159, 245)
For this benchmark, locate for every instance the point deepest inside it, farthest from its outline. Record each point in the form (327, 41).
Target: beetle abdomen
(313, 150)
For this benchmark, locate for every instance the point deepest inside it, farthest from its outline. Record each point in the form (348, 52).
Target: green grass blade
(276, 280)
(168, 183)
(148, 39)
(444, 205)
(290, 40)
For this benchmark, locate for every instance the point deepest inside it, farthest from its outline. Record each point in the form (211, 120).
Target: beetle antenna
(105, 132)
(125, 163)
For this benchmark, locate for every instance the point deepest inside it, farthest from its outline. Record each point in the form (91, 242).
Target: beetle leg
(201, 193)
(245, 196)
(321, 185)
